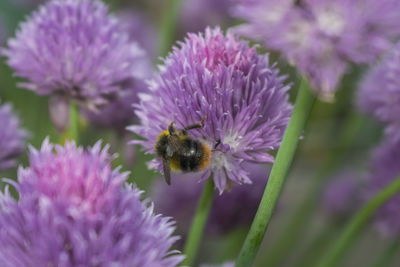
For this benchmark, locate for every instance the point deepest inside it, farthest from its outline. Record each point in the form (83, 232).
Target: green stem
(168, 27)
(229, 248)
(357, 223)
(388, 254)
(73, 129)
(199, 222)
(280, 169)
(298, 222)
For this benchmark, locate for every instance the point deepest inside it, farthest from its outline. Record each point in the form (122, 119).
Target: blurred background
(308, 178)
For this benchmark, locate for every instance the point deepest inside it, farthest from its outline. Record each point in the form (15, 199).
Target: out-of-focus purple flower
(196, 15)
(379, 92)
(342, 196)
(322, 37)
(243, 96)
(118, 113)
(74, 48)
(179, 199)
(12, 137)
(385, 167)
(140, 30)
(73, 210)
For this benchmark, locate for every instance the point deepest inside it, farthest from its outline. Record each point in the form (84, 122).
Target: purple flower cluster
(379, 92)
(243, 96)
(118, 113)
(141, 30)
(322, 37)
(12, 137)
(195, 15)
(74, 210)
(74, 48)
(384, 168)
(178, 201)
(343, 196)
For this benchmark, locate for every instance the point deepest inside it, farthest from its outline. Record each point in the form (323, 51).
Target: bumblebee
(180, 152)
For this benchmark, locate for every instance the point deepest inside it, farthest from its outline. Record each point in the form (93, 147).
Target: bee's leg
(167, 170)
(171, 128)
(195, 126)
(216, 145)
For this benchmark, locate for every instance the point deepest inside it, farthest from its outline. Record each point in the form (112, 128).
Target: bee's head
(171, 131)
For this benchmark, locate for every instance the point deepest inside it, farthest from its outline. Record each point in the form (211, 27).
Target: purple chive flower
(195, 15)
(342, 196)
(322, 38)
(75, 210)
(179, 199)
(118, 113)
(75, 49)
(12, 137)
(141, 30)
(243, 96)
(379, 92)
(385, 167)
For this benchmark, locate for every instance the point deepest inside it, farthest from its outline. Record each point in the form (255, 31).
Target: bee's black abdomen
(191, 155)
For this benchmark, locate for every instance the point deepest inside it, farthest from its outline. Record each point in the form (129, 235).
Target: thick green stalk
(168, 27)
(199, 222)
(388, 254)
(73, 128)
(357, 223)
(280, 169)
(296, 225)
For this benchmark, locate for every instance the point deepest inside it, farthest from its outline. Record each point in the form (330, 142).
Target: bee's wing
(173, 145)
(170, 150)
(167, 170)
